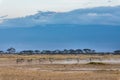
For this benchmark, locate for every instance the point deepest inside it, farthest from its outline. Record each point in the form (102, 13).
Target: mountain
(95, 28)
(89, 16)
(101, 38)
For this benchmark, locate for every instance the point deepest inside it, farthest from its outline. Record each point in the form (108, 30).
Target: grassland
(10, 70)
(60, 56)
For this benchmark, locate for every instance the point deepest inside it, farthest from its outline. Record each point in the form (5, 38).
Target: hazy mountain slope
(61, 36)
(97, 28)
(92, 16)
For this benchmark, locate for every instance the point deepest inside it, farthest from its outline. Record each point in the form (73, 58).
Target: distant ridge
(90, 16)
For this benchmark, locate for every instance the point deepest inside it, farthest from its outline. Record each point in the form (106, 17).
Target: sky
(18, 8)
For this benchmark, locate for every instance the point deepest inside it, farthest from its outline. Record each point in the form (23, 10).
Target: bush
(96, 63)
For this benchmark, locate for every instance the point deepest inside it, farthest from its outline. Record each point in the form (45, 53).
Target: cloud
(18, 8)
(90, 16)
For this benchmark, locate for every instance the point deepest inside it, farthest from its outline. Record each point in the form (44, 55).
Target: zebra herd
(21, 60)
(51, 60)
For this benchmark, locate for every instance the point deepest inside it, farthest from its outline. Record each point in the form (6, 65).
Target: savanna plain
(59, 67)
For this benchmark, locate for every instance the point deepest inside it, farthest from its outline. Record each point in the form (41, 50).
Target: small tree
(89, 51)
(1, 52)
(78, 51)
(37, 51)
(117, 52)
(11, 50)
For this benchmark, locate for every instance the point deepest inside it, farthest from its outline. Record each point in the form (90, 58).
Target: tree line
(65, 51)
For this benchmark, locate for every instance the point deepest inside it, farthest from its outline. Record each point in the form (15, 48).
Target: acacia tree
(11, 50)
(117, 52)
(78, 51)
(37, 51)
(88, 51)
(1, 52)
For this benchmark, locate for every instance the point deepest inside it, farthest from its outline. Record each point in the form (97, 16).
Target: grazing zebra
(95, 59)
(78, 60)
(40, 60)
(29, 60)
(19, 60)
(69, 59)
(51, 60)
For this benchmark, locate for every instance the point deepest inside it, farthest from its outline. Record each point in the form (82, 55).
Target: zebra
(51, 60)
(29, 60)
(19, 60)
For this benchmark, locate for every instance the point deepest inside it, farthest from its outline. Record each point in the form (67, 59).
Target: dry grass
(26, 74)
(57, 71)
(59, 56)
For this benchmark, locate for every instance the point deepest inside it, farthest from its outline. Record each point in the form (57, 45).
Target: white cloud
(99, 14)
(92, 14)
(18, 8)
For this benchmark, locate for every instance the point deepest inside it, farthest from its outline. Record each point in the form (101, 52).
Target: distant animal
(51, 60)
(40, 60)
(69, 59)
(77, 60)
(29, 60)
(19, 60)
(94, 58)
